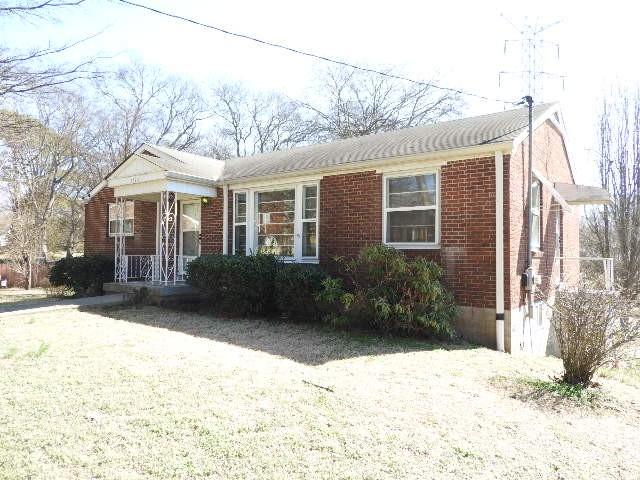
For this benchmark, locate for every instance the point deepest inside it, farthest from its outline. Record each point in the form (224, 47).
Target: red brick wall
(550, 160)
(467, 229)
(96, 231)
(350, 214)
(211, 224)
(351, 218)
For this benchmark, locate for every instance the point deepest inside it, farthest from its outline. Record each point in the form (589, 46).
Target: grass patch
(152, 393)
(577, 393)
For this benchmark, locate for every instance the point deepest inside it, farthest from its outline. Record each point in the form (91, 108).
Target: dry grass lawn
(19, 295)
(150, 393)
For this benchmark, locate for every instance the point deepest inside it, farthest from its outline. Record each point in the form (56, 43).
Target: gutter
(499, 251)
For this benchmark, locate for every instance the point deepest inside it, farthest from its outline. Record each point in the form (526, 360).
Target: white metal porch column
(168, 254)
(120, 265)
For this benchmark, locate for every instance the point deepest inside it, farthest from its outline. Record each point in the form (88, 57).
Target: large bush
(592, 327)
(296, 288)
(82, 275)
(386, 291)
(236, 285)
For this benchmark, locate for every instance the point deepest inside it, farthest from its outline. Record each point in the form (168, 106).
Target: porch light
(204, 200)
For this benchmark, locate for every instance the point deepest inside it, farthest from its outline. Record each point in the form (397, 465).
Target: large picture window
(128, 219)
(281, 221)
(411, 210)
(275, 222)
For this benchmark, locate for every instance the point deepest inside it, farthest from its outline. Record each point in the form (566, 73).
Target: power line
(313, 55)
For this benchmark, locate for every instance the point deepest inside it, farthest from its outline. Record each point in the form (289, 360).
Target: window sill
(414, 246)
(113, 235)
(300, 260)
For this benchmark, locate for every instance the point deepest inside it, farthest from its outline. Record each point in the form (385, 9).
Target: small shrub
(296, 287)
(82, 275)
(387, 292)
(236, 285)
(592, 327)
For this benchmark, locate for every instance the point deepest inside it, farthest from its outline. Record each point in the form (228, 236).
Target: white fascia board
(192, 179)
(550, 186)
(136, 179)
(539, 120)
(385, 165)
(96, 189)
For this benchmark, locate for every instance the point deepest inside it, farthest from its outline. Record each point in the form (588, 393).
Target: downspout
(225, 219)
(529, 271)
(499, 252)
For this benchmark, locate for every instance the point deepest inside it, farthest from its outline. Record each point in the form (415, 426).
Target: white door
(190, 229)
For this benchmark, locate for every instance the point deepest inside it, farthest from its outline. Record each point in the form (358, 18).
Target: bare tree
(35, 7)
(258, 123)
(354, 103)
(613, 231)
(592, 327)
(39, 170)
(144, 105)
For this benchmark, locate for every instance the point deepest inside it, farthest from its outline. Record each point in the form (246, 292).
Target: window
(410, 210)
(128, 219)
(309, 220)
(275, 221)
(535, 216)
(282, 221)
(239, 223)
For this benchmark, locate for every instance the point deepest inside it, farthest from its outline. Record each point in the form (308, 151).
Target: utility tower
(534, 53)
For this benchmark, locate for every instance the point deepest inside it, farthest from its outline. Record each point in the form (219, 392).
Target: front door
(190, 228)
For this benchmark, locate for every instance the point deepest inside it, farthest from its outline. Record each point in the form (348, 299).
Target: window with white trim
(411, 210)
(239, 223)
(275, 222)
(535, 215)
(309, 221)
(128, 219)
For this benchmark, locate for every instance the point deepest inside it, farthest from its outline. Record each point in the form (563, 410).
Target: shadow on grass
(311, 344)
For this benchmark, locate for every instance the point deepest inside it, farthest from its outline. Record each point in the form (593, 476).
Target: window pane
(128, 209)
(411, 191)
(309, 242)
(240, 240)
(190, 217)
(190, 243)
(411, 199)
(113, 227)
(275, 222)
(535, 195)
(113, 211)
(128, 226)
(411, 226)
(240, 209)
(310, 202)
(535, 231)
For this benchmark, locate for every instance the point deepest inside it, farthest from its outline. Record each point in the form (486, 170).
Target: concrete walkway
(31, 307)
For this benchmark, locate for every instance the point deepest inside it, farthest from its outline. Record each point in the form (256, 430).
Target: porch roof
(152, 169)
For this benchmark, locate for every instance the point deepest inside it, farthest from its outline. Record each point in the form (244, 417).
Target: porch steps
(156, 294)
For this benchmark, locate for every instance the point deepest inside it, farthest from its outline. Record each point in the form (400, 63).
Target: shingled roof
(466, 132)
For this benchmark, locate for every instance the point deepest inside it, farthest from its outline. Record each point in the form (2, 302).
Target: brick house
(455, 192)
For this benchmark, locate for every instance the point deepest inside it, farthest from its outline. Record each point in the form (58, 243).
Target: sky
(459, 43)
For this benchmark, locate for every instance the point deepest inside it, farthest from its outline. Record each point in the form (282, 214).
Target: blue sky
(459, 41)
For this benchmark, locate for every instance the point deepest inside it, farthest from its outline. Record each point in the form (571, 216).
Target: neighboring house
(430, 191)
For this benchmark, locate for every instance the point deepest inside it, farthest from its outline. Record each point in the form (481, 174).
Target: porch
(151, 181)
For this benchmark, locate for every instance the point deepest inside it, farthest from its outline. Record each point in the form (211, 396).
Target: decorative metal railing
(183, 261)
(147, 268)
(597, 270)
